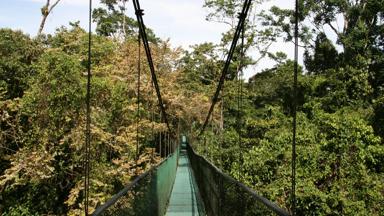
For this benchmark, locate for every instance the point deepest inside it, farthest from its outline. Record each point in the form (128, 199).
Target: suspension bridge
(186, 183)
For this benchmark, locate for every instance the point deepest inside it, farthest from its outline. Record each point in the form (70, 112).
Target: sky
(182, 21)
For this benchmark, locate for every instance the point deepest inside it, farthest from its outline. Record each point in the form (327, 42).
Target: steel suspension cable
(139, 16)
(294, 122)
(88, 117)
(243, 16)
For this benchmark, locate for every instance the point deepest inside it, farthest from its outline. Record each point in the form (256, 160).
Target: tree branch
(333, 28)
(53, 6)
(220, 21)
(263, 53)
(45, 11)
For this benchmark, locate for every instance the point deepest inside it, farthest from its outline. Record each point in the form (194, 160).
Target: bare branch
(53, 6)
(333, 28)
(45, 11)
(221, 21)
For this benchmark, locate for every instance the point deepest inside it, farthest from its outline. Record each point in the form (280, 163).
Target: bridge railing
(147, 195)
(223, 195)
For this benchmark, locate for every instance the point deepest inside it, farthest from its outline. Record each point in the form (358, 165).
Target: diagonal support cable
(240, 26)
(139, 16)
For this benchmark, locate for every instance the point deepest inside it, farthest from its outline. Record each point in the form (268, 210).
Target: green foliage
(17, 53)
(112, 21)
(42, 132)
(56, 91)
(19, 211)
(324, 56)
(378, 119)
(274, 87)
(338, 171)
(201, 65)
(340, 102)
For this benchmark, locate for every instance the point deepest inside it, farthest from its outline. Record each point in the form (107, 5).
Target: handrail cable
(88, 117)
(139, 15)
(243, 16)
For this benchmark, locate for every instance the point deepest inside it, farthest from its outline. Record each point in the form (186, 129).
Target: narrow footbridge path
(185, 199)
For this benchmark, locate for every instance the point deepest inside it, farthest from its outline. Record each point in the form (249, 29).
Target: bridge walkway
(185, 199)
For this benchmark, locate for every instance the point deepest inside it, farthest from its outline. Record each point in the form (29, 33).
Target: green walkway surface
(185, 197)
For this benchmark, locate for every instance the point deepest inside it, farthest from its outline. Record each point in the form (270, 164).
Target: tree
(17, 53)
(52, 106)
(113, 22)
(324, 57)
(257, 37)
(42, 123)
(45, 11)
(201, 65)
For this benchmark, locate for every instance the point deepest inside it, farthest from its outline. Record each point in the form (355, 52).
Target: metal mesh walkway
(185, 199)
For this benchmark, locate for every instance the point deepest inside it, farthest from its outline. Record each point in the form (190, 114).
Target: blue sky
(183, 21)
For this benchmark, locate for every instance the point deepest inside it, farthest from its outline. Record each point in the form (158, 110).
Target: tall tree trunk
(45, 11)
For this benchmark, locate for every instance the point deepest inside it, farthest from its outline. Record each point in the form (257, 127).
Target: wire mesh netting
(223, 195)
(148, 194)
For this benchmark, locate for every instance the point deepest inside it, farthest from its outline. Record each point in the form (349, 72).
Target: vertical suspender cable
(213, 135)
(221, 127)
(222, 132)
(294, 123)
(169, 144)
(153, 126)
(160, 151)
(88, 118)
(241, 81)
(238, 124)
(166, 144)
(210, 140)
(240, 96)
(138, 99)
(239, 113)
(178, 134)
(160, 136)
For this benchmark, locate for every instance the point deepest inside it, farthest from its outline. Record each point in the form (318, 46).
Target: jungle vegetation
(340, 141)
